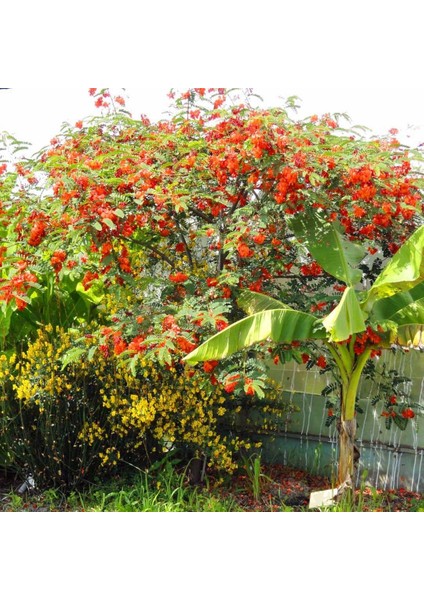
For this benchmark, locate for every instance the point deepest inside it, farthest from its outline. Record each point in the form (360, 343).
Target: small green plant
(253, 469)
(317, 459)
(162, 488)
(14, 501)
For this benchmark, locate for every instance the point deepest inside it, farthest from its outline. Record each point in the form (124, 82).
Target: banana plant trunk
(348, 454)
(351, 368)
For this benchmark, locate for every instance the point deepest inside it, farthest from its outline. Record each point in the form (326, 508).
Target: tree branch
(153, 250)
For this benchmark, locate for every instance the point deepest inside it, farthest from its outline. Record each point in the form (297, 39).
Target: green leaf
(404, 271)
(389, 307)
(254, 302)
(97, 226)
(133, 365)
(400, 422)
(94, 293)
(109, 223)
(325, 242)
(278, 325)
(91, 353)
(6, 312)
(413, 314)
(410, 336)
(346, 319)
(71, 356)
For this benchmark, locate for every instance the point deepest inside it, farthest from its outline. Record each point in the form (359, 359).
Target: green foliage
(346, 319)
(330, 248)
(69, 411)
(279, 325)
(404, 271)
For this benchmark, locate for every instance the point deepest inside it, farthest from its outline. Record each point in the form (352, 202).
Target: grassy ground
(255, 488)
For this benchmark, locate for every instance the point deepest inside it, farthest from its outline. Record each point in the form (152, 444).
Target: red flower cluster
(170, 324)
(211, 281)
(408, 413)
(178, 277)
(57, 260)
(124, 260)
(369, 337)
(231, 382)
(16, 287)
(210, 365)
(38, 233)
(259, 238)
(311, 270)
(321, 362)
(244, 250)
(248, 386)
(185, 345)
(88, 279)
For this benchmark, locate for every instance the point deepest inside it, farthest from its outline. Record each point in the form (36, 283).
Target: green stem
(347, 357)
(339, 362)
(349, 399)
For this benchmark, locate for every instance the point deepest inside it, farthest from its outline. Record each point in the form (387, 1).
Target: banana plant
(389, 313)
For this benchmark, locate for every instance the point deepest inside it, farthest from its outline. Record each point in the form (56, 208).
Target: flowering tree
(156, 228)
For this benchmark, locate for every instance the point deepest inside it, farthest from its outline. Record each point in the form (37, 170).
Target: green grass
(146, 495)
(165, 488)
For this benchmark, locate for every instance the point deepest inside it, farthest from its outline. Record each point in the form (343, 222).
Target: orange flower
(184, 344)
(57, 260)
(169, 322)
(211, 281)
(178, 277)
(259, 238)
(209, 365)
(37, 233)
(244, 250)
(119, 345)
(358, 211)
(231, 382)
(248, 386)
(221, 324)
(88, 278)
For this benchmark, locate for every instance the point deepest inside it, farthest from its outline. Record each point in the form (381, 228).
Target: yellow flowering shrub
(65, 421)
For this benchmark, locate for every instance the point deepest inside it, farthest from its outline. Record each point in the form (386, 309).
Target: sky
(36, 115)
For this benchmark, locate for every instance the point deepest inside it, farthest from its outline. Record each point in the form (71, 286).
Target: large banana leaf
(387, 308)
(254, 302)
(346, 319)
(410, 315)
(404, 271)
(410, 336)
(325, 241)
(402, 315)
(278, 325)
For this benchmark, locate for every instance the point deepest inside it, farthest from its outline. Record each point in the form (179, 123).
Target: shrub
(65, 421)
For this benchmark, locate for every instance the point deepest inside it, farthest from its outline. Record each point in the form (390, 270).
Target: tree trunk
(348, 454)
(196, 470)
(351, 368)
